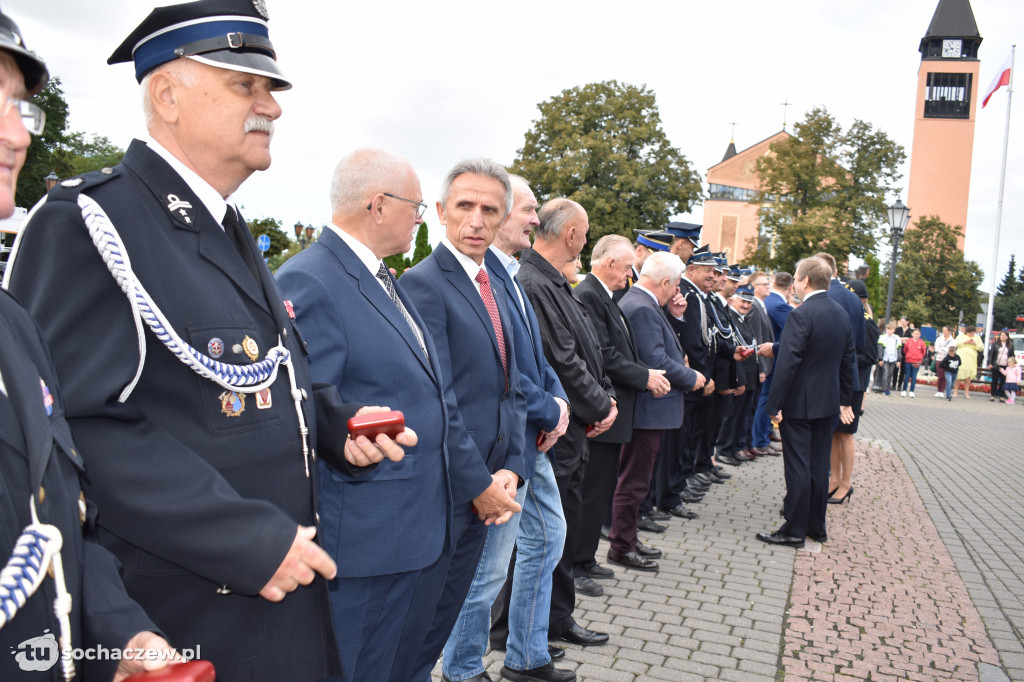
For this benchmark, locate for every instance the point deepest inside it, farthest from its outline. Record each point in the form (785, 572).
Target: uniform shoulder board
(68, 190)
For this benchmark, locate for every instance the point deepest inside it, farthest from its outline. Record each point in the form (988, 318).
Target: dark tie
(237, 234)
(385, 276)
(492, 310)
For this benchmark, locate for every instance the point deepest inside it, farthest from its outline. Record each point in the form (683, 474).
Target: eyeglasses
(32, 116)
(420, 210)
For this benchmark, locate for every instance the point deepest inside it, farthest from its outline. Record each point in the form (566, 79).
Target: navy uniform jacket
(397, 518)
(491, 412)
(814, 367)
(778, 310)
(657, 346)
(619, 347)
(199, 507)
(37, 455)
(571, 347)
(701, 356)
(537, 380)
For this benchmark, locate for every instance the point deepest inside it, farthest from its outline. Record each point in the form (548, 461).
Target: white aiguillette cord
(241, 378)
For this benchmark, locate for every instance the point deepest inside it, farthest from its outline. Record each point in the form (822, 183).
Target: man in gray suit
(657, 347)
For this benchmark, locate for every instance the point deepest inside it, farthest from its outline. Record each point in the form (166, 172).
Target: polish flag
(1002, 78)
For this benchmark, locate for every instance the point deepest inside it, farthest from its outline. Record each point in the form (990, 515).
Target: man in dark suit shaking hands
(813, 383)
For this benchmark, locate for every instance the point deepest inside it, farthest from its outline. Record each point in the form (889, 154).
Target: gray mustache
(260, 124)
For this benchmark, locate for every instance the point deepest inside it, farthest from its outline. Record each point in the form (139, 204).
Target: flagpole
(999, 209)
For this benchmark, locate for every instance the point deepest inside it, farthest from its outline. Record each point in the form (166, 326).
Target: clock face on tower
(951, 49)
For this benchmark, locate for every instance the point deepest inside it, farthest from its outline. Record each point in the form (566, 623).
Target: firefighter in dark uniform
(187, 386)
(59, 589)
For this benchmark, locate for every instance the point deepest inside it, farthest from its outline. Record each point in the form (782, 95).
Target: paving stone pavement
(921, 578)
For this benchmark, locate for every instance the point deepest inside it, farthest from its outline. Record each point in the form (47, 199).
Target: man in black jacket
(573, 350)
(611, 262)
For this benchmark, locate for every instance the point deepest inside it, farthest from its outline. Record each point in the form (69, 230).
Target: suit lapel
(25, 400)
(187, 212)
(460, 280)
(373, 292)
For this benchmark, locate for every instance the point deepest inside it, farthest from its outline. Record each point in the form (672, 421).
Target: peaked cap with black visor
(227, 34)
(33, 70)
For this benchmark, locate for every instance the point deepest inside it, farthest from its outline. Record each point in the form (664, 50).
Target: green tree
(1011, 285)
(823, 189)
(422, 248)
(279, 240)
(1006, 310)
(877, 287)
(602, 145)
(59, 150)
(934, 282)
(398, 262)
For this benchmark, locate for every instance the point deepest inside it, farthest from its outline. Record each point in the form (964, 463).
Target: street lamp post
(50, 181)
(899, 216)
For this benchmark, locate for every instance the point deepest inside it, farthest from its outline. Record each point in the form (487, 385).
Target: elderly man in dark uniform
(47, 546)
(200, 431)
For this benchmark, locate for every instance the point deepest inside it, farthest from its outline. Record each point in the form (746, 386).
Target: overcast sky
(437, 82)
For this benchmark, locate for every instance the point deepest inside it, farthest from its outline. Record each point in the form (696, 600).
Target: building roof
(952, 19)
(730, 151)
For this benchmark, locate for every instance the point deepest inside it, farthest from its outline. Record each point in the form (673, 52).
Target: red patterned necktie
(492, 310)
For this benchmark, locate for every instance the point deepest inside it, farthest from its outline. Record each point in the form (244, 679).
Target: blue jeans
(910, 377)
(539, 532)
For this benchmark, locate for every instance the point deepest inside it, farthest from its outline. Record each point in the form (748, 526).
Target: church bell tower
(947, 101)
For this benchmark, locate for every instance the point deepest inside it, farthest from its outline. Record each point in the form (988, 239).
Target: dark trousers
(998, 379)
(718, 404)
(733, 435)
(636, 465)
(898, 378)
(806, 446)
(696, 421)
(940, 385)
(431, 618)
(598, 486)
(563, 589)
(369, 614)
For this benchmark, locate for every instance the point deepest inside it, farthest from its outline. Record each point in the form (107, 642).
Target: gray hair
(608, 246)
(554, 215)
(661, 265)
(361, 175)
(484, 167)
(179, 68)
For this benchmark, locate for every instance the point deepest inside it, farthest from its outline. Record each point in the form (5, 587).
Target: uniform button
(42, 494)
(236, 349)
(317, 515)
(501, 438)
(284, 333)
(223, 589)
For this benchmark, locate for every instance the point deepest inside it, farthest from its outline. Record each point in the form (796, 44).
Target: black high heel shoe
(833, 491)
(844, 498)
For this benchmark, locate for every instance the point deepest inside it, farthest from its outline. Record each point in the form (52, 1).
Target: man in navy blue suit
(813, 384)
(472, 330)
(366, 339)
(657, 347)
(539, 531)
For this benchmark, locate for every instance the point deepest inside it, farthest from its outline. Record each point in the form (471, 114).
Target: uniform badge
(252, 351)
(261, 7)
(289, 308)
(263, 400)
(177, 206)
(215, 348)
(232, 404)
(82, 507)
(47, 398)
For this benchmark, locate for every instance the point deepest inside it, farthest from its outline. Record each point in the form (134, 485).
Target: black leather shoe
(704, 478)
(599, 571)
(687, 496)
(694, 488)
(777, 538)
(605, 532)
(657, 515)
(645, 523)
(632, 560)
(722, 473)
(588, 587)
(578, 634)
(823, 538)
(647, 552)
(715, 478)
(682, 512)
(556, 652)
(694, 483)
(545, 673)
(730, 460)
(482, 677)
